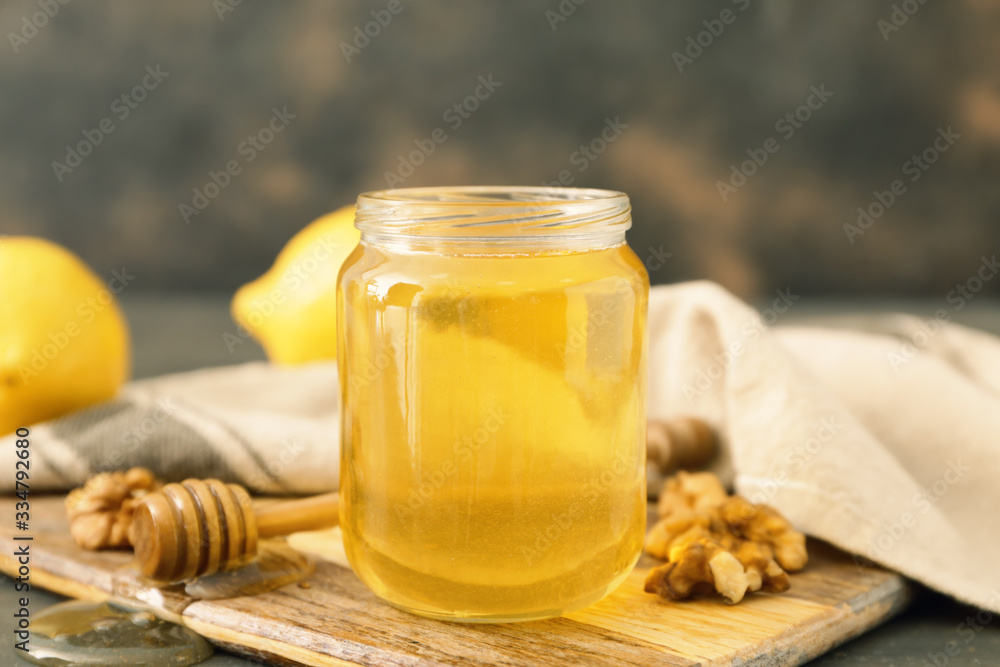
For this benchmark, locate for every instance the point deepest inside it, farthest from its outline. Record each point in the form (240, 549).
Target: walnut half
(100, 512)
(713, 541)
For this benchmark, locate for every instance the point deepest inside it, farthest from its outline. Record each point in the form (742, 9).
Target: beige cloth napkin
(888, 451)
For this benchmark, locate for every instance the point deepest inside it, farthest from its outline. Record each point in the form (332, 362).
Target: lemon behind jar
(291, 310)
(64, 343)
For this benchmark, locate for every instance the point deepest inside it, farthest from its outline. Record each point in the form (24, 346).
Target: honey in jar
(492, 364)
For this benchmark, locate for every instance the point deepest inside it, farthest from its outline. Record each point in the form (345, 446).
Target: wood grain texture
(290, 516)
(336, 620)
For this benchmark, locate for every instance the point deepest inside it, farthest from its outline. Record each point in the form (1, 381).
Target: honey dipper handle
(290, 516)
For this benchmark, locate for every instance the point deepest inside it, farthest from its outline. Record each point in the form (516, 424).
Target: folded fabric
(881, 436)
(883, 441)
(273, 429)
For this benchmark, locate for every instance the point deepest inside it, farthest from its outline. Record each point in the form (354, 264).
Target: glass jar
(492, 347)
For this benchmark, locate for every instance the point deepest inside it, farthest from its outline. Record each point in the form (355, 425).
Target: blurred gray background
(899, 71)
(563, 69)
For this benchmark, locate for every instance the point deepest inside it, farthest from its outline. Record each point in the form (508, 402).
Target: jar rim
(496, 215)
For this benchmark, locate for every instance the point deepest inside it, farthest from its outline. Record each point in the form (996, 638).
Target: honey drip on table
(108, 634)
(276, 565)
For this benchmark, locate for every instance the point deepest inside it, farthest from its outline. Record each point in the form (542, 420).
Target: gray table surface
(174, 333)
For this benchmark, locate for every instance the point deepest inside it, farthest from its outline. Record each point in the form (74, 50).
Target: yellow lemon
(64, 343)
(292, 309)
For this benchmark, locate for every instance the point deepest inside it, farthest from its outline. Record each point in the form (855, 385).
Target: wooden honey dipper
(199, 527)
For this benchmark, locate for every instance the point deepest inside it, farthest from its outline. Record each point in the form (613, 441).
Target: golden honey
(493, 384)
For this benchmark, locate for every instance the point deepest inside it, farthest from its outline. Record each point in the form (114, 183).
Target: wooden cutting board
(336, 620)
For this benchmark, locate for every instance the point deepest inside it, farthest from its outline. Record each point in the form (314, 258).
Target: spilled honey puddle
(105, 633)
(109, 633)
(276, 565)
